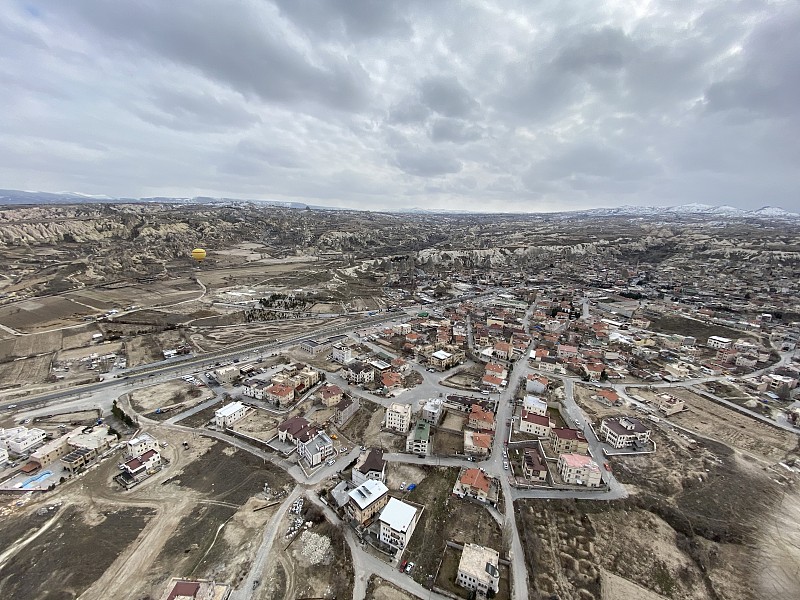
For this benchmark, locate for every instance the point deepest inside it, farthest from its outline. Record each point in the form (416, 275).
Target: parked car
(330, 462)
(410, 567)
(607, 467)
(505, 465)
(402, 486)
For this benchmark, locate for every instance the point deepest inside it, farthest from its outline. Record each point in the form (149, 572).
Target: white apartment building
(621, 432)
(229, 414)
(141, 444)
(579, 469)
(19, 440)
(479, 569)
(398, 521)
(342, 354)
(398, 417)
(535, 405)
(719, 343)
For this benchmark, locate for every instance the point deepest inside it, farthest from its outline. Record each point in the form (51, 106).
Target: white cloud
(493, 106)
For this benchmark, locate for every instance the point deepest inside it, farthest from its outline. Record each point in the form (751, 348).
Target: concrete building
(369, 466)
(432, 411)
(534, 466)
(55, 449)
(398, 417)
(314, 446)
(669, 405)
(481, 419)
(358, 372)
(3, 456)
(624, 432)
(344, 411)
(138, 469)
(279, 394)
(330, 395)
(227, 374)
(719, 343)
(535, 405)
(479, 569)
(477, 444)
(289, 430)
(563, 439)
(200, 589)
(472, 483)
(367, 500)
(254, 388)
(137, 446)
(18, 440)
(579, 469)
(228, 415)
(342, 354)
(418, 440)
(397, 522)
(535, 424)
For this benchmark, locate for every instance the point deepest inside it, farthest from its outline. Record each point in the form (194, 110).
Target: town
(455, 431)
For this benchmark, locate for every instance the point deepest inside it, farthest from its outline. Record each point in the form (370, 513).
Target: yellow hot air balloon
(198, 254)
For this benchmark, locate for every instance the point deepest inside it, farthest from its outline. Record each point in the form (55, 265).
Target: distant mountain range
(697, 210)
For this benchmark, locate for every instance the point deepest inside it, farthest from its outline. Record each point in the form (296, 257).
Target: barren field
(464, 379)
(713, 420)
(593, 409)
(175, 394)
(374, 437)
(76, 551)
(314, 564)
(357, 426)
(258, 424)
(694, 529)
(447, 443)
(380, 589)
(28, 371)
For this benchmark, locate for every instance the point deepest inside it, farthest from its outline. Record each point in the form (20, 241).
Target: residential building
(280, 394)
(608, 397)
(719, 343)
(398, 417)
(440, 360)
(141, 444)
(534, 466)
(367, 500)
(535, 424)
(314, 446)
(391, 380)
(479, 569)
(139, 468)
(344, 411)
(623, 432)
(534, 405)
(579, 469)
(227, 374)
(477, 444)
(564, 439)
(291, 428)
(418, 440)
(432, 411)
(255, 388)
(342, 353)
(200, 589)
(358, 372)
(330, 394)
(369, 466)
(481, 419)
(54, 449)
(566, 351)
(230, 413)
(536, 384)
(472, 483)
(3, 455)
(502, 350)
(397, 521)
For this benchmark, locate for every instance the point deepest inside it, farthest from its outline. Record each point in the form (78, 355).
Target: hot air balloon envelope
(198, 254)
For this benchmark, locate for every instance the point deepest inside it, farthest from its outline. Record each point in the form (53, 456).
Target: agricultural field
(31, 316)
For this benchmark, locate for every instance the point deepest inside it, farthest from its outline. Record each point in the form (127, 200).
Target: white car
(402, 486)
(505, 465)
(330, 462)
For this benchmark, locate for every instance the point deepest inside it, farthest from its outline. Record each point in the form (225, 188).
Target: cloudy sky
(511, 106)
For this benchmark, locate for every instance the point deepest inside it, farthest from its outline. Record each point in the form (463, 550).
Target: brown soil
(380, 589)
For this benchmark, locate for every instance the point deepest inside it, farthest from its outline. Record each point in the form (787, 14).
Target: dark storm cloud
(508, 105)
